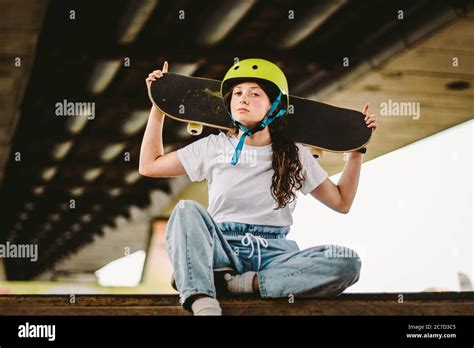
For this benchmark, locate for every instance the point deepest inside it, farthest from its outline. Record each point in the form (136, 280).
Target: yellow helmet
(255, 68)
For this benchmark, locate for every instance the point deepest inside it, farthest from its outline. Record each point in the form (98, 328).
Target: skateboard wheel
(194, 128)
(317, 153)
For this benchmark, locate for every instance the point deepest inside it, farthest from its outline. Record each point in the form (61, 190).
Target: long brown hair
(287, 177)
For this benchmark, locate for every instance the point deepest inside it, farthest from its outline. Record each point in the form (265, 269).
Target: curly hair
(288, 170)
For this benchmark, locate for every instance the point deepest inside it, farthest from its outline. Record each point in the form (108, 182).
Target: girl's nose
(244, 100)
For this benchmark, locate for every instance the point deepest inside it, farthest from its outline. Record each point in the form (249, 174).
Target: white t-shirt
(242, 193)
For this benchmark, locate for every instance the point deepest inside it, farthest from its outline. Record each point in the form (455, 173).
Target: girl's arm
(341, 196)
(153, 161)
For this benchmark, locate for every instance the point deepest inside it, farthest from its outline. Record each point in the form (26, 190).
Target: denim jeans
(197, 245)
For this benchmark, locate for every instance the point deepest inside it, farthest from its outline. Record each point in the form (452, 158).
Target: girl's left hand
(370, 119)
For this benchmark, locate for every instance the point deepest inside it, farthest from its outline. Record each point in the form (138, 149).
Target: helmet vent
(254, 67)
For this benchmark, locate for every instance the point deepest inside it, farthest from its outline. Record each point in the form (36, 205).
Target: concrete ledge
(426, 303)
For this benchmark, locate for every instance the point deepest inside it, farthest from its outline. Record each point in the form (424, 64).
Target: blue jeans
(197, 245)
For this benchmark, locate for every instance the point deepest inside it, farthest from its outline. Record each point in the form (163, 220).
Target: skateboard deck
(197, 101)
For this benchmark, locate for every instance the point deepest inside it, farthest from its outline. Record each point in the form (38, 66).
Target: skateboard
(197, 102)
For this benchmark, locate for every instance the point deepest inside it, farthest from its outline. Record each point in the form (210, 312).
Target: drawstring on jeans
(247, 240)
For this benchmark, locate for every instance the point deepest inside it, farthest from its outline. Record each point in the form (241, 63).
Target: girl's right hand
(156, 74)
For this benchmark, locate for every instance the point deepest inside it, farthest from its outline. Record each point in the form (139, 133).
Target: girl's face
(249, 104)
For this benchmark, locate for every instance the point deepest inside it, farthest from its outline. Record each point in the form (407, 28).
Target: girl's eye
(235, 93)
(255, 94)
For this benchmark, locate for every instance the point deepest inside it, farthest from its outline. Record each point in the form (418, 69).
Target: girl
(253, 175)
